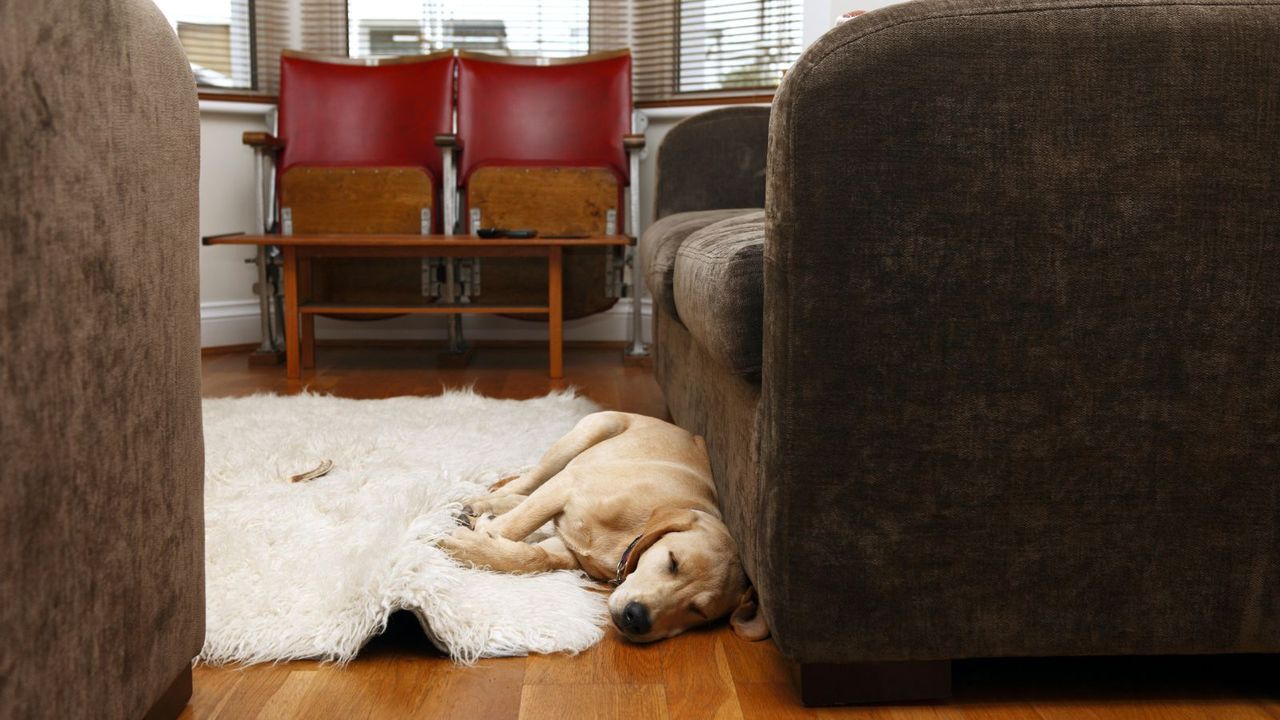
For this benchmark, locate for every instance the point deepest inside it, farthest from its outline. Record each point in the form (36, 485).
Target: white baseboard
(229, 322)
(235, 322)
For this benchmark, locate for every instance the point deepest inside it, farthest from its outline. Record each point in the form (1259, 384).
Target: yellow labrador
(634, 504)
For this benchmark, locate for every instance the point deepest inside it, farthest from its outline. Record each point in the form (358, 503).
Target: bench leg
(291, 359)
(307, 333)
(555, 310)
(823, 684)
(307, 323)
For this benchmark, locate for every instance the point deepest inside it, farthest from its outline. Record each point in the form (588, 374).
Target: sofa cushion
(719, 290)
(658, 248)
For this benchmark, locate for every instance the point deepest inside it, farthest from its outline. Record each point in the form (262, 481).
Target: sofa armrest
(712, 161)
(102, 589)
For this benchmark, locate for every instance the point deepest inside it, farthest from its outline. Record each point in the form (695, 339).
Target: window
(545, 28)
(217, 37)
(736, 45)
(713, 46)
(680, 47)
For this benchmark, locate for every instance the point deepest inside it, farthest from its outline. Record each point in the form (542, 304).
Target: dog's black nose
(635, 618)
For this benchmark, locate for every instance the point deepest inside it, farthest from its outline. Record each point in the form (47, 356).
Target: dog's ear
(747, 621)
(661, 522)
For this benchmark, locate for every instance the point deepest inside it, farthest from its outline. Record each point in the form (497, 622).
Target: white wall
(229, 309)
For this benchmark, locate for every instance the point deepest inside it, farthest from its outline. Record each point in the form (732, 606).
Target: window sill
(219, 104)
(705, 100)
(234, 96)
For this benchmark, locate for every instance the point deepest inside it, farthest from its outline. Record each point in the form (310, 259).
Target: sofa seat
(658, 248)
(719, 290)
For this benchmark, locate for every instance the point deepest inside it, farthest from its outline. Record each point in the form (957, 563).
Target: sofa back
(713, 161)
(1021, 373)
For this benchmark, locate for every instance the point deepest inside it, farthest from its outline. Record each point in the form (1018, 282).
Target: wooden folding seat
(544, 145)
(355, 154)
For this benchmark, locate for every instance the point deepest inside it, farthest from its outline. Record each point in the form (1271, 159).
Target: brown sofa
(996, 371)
(101, 463)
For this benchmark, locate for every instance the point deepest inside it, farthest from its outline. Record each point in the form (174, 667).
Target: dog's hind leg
(534, 507)
(590, 430)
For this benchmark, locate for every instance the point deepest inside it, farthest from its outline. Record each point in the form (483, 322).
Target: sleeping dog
(633, 504)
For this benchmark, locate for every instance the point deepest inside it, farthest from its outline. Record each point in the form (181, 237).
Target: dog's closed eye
(698, 611)
(674, 566)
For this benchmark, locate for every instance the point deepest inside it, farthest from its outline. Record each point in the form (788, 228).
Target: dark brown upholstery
(658, 246)
(1020, 390)
(712, 161)
(719, 290)
(101, 521)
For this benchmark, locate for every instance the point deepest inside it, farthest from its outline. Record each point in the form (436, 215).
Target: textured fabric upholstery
(719, 290)
(1020, 382)
(1021, 351)
(713, 160)
(101, 522)
(722, 407)
(658, 246)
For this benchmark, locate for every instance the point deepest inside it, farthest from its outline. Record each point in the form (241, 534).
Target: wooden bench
(300, 310)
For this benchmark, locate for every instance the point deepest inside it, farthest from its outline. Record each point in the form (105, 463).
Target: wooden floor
(703, 674)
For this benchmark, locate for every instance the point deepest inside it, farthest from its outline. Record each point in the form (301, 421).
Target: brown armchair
(994, 373)
(101, 462)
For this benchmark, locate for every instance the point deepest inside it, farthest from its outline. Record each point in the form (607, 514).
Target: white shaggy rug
(313, 569)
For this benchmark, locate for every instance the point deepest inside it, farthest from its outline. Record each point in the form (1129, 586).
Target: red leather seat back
(567, 113)
(335, 112)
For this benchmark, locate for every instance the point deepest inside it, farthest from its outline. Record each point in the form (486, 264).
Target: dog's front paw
(484, 524)
(476, 507)
(467, 546)
(465, 517)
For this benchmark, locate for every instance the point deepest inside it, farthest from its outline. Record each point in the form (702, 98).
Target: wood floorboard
(709, 673)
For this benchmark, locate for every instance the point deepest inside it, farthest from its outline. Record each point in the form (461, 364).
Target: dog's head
(683, 571)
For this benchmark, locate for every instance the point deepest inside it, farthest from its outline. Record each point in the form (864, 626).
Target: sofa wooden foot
(174, 700)
(824, 684)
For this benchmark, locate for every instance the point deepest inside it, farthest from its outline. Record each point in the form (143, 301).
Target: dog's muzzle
(634, 619)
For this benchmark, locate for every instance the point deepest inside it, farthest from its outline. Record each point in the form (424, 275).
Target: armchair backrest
(570, 112)
(338, 112)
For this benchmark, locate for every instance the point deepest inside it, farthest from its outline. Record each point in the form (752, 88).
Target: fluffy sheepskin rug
(313, 569)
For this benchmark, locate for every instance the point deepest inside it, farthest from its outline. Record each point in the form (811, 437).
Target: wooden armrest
(447, 140)
(261, 140)
(212, 239)
(632, 141)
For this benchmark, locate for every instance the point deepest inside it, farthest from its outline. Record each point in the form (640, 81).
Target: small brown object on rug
(318, 471)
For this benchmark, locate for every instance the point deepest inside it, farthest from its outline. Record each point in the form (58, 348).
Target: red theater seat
(571, 112)
(542, 148)
(339, 112)
(357, 156)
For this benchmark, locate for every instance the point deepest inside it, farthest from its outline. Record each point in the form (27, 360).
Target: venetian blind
(545, 28)
(271, 35)
(692, 47)
(217, 36)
